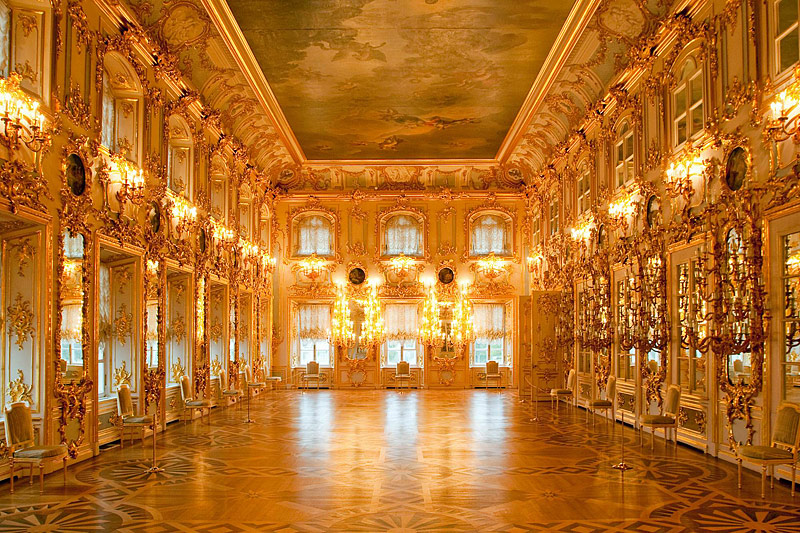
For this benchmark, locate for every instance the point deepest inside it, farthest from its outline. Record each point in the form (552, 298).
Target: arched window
(403, 236)
(490, 234)
(687, 100)
(122, 95)
(314, 235)
(180, 156)
(623, 155)
(584, 189)
(787, 34)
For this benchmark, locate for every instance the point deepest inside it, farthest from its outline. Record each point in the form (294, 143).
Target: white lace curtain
(105, 295)
(71, 320)
(403, 236)
(73, 246)
(401, 321)
(489, 321)
(488, 235)
(314, 236)
(313, 321)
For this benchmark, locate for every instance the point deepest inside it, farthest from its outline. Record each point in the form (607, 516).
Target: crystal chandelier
(463, 329)
(342, 333)
(430, 333)
(372, 328)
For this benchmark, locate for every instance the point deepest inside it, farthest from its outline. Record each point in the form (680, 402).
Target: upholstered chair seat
(764, 453)
(658, 420)
(190, 402)
(21, 441)
(312, 374)
(604, 404)
(402, 374)
(493, 373)
(566, 393)
(668, 419)
(41, 452)
(784, 449)
(127, 417)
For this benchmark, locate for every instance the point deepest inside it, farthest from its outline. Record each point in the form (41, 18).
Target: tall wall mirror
(72, 306)
(244, 329)
(178, 320)
(218, 327)
(120, 320)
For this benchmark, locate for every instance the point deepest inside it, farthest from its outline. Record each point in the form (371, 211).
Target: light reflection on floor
(365, 460)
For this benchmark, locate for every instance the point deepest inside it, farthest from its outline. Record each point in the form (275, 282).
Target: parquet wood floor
(387, 461)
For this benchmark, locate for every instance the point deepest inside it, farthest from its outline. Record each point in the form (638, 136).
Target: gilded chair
(23, 450)
(191, 403)
(251, 384)
(402, 373)
(668, 419)
(783, 450)
(605, 404)
(312, 374)
(493, 373)
(224, 392)
(567, 393)
(128, 418)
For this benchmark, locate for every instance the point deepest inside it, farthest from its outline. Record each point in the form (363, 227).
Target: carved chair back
(19, 426)
(403, 368)
(492, 367)
(124, 401)
(787, 428)
(673, 402)
(186, 389)
(312, 368)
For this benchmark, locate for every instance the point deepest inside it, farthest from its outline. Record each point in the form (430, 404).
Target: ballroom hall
(399, 265)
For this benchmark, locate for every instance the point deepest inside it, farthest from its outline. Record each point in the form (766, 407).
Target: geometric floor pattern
(367, 461)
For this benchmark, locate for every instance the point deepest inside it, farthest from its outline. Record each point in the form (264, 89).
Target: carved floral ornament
(21, 320)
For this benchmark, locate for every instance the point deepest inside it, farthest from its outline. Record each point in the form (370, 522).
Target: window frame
(626, 167)
(776, 38)
(509, 235)
(507, 359)
(686, 84)
(294, 240)
(380, 229)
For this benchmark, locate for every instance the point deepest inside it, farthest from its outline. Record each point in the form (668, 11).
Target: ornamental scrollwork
(21, 320)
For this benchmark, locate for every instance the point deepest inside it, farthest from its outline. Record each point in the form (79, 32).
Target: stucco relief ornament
(20, 318)
(177, 370)
(122, 376)
(19, 391)
(123, 324)
(24, 254)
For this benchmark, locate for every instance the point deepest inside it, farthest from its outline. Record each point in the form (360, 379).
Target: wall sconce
(312, 267)
(535, 261)
(22, 120)
(583, 231)
(785, 113)
(682, 175)
(152, 267)
(125, 183)
(184, 214)
(401, 266)
(222, 234)
(267, 262)
(491, 266)
(623, 207)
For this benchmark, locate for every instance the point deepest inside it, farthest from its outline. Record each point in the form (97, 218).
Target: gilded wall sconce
(784, 124)
(184, 214)
(430, 331)
(22, 120)
(312, 267)
(491, 266)
(402, 266)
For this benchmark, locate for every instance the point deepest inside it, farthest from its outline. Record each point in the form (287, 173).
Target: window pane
(697, 120)
(629, 146)
(680, 126)
(787, 15)
(680, 102)
(788, 50)
(697, 89)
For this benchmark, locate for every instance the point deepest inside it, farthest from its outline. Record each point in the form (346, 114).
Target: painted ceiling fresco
(400, 79)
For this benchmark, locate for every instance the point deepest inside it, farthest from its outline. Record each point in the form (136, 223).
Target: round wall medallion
(76, 174)
(357, 276)
(736, 169)
(154, 217)
(653, 211)
(446, 276)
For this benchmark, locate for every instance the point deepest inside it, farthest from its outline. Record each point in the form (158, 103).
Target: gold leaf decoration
(19, 391)
(178, 329)
(121, 376)
(123, 324)
(177, 371)
(20, 318)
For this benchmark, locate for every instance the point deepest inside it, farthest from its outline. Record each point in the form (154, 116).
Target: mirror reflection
(151, 334)
(72, 307)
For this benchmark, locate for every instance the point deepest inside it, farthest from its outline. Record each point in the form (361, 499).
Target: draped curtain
(403, 236)
(105, 297)
(71, 320)
(488, 235)
(489, 321)
(313, 321)
(401, 322)
(314, 236)
(73, 246)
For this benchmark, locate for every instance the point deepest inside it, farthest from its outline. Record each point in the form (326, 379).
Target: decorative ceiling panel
(400, 79)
